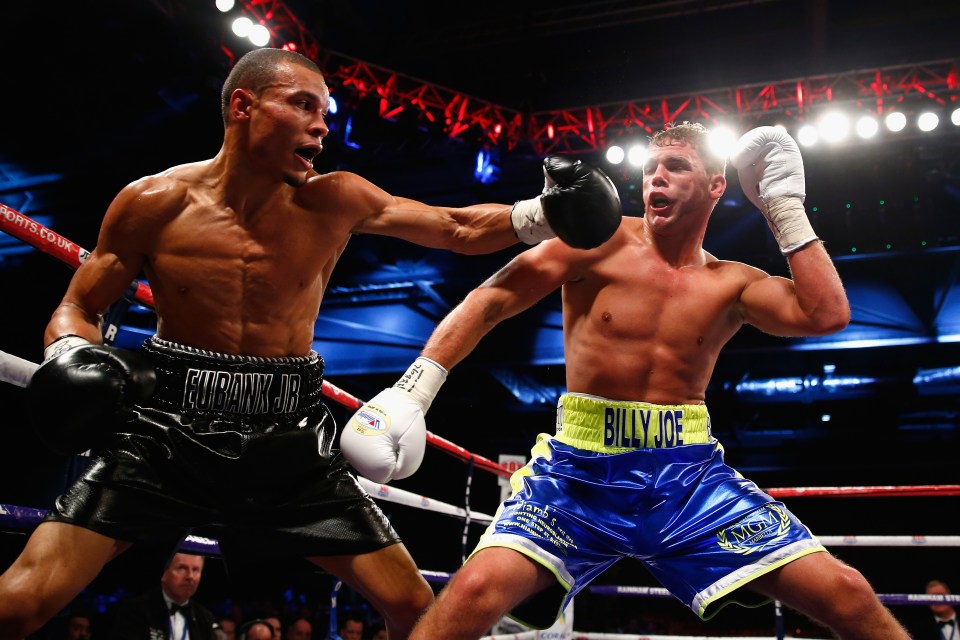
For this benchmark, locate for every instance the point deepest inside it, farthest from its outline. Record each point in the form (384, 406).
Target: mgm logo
(765, 526)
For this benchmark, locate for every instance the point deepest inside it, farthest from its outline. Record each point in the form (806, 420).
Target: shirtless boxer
(219, 419)
(633, 470)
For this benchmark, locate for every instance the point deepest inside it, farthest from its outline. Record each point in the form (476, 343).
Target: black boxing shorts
(237, 443)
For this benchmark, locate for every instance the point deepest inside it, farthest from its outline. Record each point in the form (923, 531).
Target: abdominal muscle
(643, 373)
(646, 335)
(265, 305)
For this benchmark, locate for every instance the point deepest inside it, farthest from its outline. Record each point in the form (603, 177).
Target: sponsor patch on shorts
(761, 528)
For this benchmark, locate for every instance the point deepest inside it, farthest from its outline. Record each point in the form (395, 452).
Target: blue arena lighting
(486, 170)
(942, 380)
(770, 387)
(347, 130)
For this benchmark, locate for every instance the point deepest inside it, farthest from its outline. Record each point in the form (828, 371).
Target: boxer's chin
(295, 181)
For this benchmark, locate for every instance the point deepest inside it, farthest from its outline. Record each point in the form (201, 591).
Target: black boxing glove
(79, 396)
(579, 204)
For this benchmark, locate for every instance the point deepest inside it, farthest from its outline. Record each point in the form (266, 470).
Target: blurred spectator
(167, 612)
(378, 631)
(274, 623)
(258, 629)
(229, 628)
(351, 627)
(300, 629)
(78, 627)
(939, 622)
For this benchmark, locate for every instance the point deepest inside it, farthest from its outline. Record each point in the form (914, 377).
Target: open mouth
(659, 201)
(308, 153)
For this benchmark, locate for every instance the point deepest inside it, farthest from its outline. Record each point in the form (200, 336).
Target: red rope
(52, 243)
(459, 452)
(336, 393)
(916, 491)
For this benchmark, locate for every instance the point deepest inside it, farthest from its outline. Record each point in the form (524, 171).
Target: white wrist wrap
(62, 345)
(529, 221)
(788, 220)
(422, 381)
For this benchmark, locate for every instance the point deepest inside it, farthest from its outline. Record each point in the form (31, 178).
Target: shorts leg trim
(708, 602)
(548, 561)
(522, 545)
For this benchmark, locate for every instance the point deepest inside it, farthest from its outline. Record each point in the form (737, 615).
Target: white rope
(590, 635)
(15, 370)
(579, 635)
(399, 496)
(890, 541)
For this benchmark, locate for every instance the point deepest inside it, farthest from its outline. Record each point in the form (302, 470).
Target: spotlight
(895, 121)
(637, 155)
(927, 121)
(807, 135)
(955, 117)
(225, 5)
(259, 35)
(834, 126)
(241, 26)
(867, 127)
(721, 141)
(615, 154)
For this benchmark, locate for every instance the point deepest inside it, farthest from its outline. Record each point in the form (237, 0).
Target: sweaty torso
(248, 283)
(639, 328)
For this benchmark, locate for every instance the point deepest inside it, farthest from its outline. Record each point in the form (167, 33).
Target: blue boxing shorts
(645, 481)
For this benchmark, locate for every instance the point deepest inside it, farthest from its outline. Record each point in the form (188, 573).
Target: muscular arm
(104, 275)
(519, 285)
(396, 452)
(476, 229)
(813, 303)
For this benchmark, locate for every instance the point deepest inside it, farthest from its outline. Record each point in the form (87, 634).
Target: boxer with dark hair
(219, 419)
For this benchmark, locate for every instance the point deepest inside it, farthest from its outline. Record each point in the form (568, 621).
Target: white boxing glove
(386, 438)
(770, 169)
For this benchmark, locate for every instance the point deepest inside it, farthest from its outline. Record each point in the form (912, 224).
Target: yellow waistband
(614, 426)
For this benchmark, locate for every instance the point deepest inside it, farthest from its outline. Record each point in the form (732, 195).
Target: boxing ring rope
(14, 518)
(915, 491)
(53, 244)
(584, 635)
(17, 371)
(886, 598)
